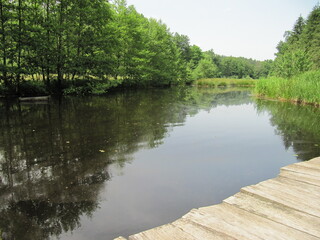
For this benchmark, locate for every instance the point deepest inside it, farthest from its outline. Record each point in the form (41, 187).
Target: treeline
(89, 46)
(296, 70)
(300, 51)
(212, 65)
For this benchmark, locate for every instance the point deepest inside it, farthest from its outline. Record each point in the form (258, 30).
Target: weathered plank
(284, 208)
(287, 184)
(242, 224)
(199, 231)
(314, 163)
(277, 212)
(34, 99)
(303, 169)
(120, 238)
(164, 232)
(301, 177)
(300, 202)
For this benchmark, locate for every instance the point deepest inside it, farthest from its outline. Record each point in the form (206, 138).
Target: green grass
(224, 82)
(304, 88)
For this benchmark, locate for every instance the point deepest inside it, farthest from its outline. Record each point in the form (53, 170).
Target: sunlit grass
(304, 88)
(224, 82)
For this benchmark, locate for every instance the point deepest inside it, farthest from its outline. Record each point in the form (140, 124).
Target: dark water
(100, 167)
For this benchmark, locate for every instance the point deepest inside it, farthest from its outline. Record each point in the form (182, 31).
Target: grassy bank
(304, 88)
(224, 82)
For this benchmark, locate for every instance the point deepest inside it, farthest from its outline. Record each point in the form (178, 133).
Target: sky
(240, 28)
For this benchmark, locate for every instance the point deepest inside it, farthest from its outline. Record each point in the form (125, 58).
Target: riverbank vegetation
(303, 88)
(295, 75)
(224, 82)
(91, 46)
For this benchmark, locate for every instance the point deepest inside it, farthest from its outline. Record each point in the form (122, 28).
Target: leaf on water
(317, 145)
(296, 155)
(67, 141)
(102, 151)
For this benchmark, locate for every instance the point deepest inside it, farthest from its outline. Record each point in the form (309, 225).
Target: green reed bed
(224, 82)
(304, 88)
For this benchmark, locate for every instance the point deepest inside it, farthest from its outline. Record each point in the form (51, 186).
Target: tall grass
(223, 82)
(304, 88)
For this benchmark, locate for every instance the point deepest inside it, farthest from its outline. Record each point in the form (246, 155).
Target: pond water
(101, 167)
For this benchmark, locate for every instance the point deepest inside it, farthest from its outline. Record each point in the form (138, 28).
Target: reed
(224, 82)
(304, 88)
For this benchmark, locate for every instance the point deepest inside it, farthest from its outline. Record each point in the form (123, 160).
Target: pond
(101, 167)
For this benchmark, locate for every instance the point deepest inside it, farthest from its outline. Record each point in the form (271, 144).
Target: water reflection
(55, 158)
(298, 126)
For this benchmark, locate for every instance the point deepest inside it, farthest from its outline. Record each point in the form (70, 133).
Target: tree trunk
(47, 55)
(59, 50)
(19, 46)
(4, 47)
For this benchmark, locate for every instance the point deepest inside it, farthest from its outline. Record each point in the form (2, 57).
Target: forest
(295, 74)
(91, 46)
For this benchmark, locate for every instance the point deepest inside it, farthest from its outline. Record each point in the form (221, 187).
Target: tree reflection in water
(298, 126)
(54, 158)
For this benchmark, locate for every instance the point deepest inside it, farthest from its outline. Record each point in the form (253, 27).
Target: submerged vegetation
(90, 46)
(295, 74)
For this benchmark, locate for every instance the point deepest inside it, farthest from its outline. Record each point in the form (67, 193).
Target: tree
(205, 69)
(311, 37)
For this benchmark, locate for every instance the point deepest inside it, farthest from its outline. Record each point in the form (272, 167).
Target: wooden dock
(286, 207)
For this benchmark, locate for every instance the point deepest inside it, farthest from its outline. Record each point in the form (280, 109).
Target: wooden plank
(283, 208)
(242, 224)
(303, 169)
(314, 160)
(301, 177)
(34, 99)
(287, 183)
(299, 203)
(290, 190)
(165, 232)
(276, 212)
(199, 231)
(310, 164)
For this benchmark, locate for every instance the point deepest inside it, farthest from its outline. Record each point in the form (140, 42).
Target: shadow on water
(55, 158)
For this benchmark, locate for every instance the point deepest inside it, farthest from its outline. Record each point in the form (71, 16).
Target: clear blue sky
(247, 28)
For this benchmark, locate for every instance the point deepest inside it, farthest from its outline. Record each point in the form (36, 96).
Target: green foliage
(295, 71)
(291, 63)
(91, 87)
(60, 43)
(33, 88)
(205, 69)
(303, 88)
(221, 82)
(212, 65)
(300, 51)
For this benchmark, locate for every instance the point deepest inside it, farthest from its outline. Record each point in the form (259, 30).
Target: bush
(91, 87)
(32, 88)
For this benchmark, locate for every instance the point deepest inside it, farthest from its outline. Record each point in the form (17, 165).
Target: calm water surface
(100, 167)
